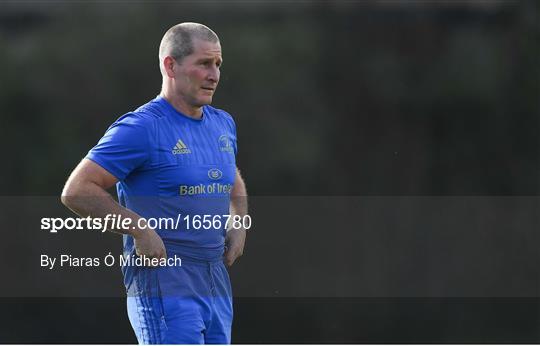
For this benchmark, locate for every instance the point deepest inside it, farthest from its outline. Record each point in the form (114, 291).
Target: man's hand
(235, 241)
(148, 243)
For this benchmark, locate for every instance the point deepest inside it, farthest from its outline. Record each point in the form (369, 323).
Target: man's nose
(214, 75)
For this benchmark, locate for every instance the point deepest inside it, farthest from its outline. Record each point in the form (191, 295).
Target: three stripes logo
(180, 148)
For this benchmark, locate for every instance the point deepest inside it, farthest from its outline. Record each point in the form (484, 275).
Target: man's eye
(210, 63)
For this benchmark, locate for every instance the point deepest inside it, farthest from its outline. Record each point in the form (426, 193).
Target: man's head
(190, 58)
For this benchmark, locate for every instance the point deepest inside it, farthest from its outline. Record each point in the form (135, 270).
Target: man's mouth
(207, 88)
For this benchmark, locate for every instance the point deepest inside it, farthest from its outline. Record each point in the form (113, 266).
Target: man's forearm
(90, 199)
(239, 198)
(236, 238)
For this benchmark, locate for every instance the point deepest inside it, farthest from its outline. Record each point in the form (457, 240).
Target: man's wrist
(138, 232)
(240, 230)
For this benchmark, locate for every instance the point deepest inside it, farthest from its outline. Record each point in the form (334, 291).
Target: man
(173, 155)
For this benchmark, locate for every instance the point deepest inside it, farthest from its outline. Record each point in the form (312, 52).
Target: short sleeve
(123, 149)
(235, 139)
(232, 126)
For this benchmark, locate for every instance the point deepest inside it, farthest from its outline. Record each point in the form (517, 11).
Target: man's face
(197, 75)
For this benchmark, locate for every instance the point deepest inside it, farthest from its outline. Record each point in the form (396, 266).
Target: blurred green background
(330, 98)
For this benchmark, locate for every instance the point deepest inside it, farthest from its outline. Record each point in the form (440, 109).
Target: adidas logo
(180, 148)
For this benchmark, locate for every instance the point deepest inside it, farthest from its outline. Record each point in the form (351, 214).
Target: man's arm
(85, 194)
(236, 238)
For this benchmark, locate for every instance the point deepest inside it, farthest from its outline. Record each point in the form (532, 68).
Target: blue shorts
(187, 304)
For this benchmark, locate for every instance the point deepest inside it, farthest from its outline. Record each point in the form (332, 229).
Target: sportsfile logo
(180, 148)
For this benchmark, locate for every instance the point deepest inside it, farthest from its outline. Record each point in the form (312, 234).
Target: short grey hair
(178, 40)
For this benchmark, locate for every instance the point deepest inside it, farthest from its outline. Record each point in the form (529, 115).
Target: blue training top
(169, 164)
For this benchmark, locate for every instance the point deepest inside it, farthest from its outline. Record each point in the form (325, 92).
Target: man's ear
(169, 66)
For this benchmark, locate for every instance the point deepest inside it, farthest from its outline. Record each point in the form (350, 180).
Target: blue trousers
(187, 304)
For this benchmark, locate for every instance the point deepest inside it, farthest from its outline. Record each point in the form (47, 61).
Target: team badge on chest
(225, 144)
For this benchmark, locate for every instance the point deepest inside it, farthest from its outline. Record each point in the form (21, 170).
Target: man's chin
(205, 101)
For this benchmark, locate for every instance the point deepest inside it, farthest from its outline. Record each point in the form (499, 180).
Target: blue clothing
(168, 164)
(192, 305)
